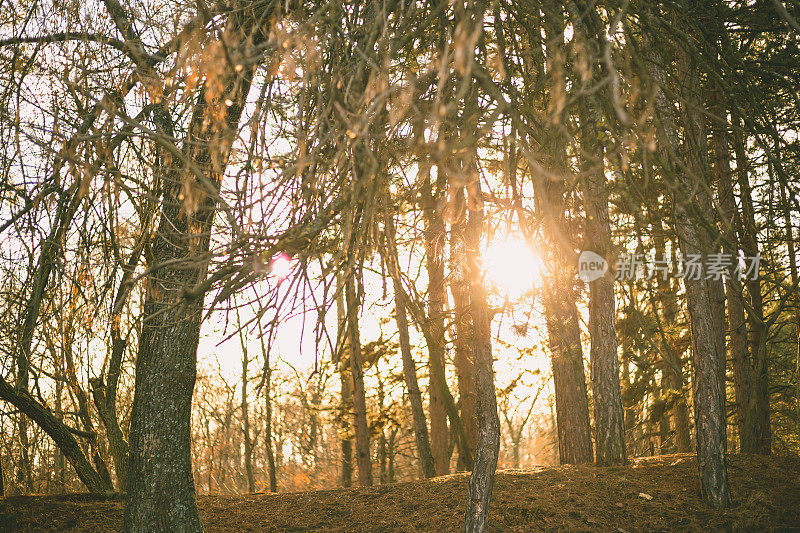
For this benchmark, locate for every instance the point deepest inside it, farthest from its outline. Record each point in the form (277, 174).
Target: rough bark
(737, 324)
(462, 338)
(427, 464)
(481, 480)
(161, 495)
(701, 177)
(561, 314)
(160, 488)
(118, 445)
(559, 293)
(572, 405)
(608, 413)
(751, 377)
(694, 193)
(709, 417)
(363, 459)
(689, 184)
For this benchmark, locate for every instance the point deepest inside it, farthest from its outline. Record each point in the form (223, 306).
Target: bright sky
(513, 271)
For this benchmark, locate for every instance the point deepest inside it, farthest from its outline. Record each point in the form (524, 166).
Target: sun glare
(281, 266)
(512, 267)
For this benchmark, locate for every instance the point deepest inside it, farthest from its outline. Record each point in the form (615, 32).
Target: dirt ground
(654, 494)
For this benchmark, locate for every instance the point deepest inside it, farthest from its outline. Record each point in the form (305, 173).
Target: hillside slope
(654, 494)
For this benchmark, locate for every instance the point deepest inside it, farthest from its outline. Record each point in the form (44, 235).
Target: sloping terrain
(654, 494)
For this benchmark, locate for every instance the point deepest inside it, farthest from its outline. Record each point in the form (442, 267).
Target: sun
(281, 266)
(511, 267)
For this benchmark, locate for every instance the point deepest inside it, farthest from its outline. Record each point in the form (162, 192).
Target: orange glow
(512, 267)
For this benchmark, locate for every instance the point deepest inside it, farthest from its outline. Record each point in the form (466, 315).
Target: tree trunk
(688, 183)
(273, 478)
(347, 443)
(794, 296)
(752, 377)
(561, 313)
(24, 467)
(427, 464)
(560, 294)
(630, 409)
(117, 444)
(343, 363)
(737, 324)
(434, 242)
(160, 489)
(363, 459)
(709, 417)
(695, 196)
(673, 374)
(61, 466)
(572, 406)
(664, 446)
(392, 452)
(161, 494)
(608, 413)
(248, 444)
(683, 437)
(459, 288)
(382, 456)
(487, 450)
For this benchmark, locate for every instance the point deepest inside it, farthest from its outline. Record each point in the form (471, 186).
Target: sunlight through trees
(268, 245)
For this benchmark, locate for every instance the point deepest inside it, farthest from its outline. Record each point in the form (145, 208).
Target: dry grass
(766, 493)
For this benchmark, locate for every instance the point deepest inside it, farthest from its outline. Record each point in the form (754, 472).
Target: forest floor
(651, 494)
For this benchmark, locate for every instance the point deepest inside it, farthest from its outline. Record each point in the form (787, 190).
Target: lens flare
(512, 267)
